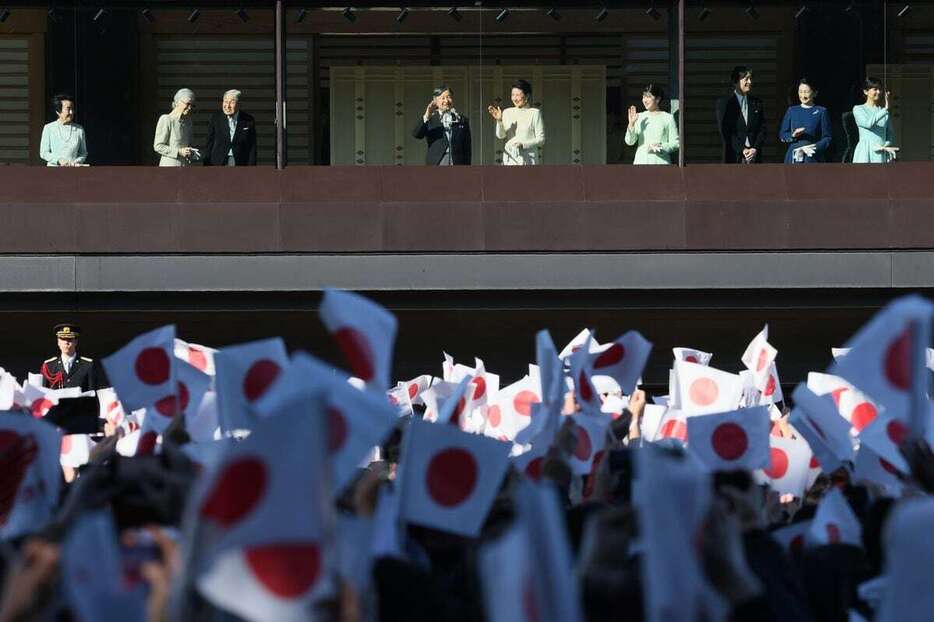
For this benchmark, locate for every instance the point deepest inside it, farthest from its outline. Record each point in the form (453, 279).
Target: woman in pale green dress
(875, 127)
(654, 131)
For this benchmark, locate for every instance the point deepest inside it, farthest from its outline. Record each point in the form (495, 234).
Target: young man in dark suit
(231, 135)
(67, 369)
(445, 130)
(741, 121)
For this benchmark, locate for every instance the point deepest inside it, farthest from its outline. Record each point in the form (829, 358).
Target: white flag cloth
(793, 538)
(364, 331)
(244, 373)
(191, 385)
(198, 356)
(584, 391)
(448, 479)
(40, 400)
(302, 383)
(553, 596)
(92, 573)
(732, 440)
(454, 409)
(531, 462)
(507, 578)
(257, 548)
(820, 414)
(30, 475)
(789, 460)
(852, 404)
(834, 522)
(673, 425)
(143, 440)
(76, 450)
(870, 467)
(143, 371)
(887, 359)
(415, 387)
(435, 397)
(672, 498)
(651, 421)
(579, 341)
(703, 389)
(9, 387)
(758, 358)
(909, 597)
(591, 439)
(772, 393)
(204, 425)
(622, 360)
(111, 409)
(883, 436)
(550, 369)
(512, 411)
(690, 355)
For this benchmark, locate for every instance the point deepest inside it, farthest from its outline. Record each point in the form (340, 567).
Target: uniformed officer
(68, 369)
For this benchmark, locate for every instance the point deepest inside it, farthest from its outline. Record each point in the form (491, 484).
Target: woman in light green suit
(654, 131)
(875, 126)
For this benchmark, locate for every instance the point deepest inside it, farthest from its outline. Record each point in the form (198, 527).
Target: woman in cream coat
(174, 133)
(521, 126)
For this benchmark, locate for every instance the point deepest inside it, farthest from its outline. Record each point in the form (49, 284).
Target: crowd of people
(741, 122)
(242, 483)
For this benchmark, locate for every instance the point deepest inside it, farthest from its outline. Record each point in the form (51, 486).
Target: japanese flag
(652, 420)
(672, 498)
(486, 384)
(584, 391)
(144, 440)
(93, 579)
(198, 356)
(787, 471)
(772, 393)
(887, 359)
(39, 400)
(191, 385)
(75, 450)
(673, 424)
(447, 367)
(703, 390)
(508, 579)
(870, 467)
(590, 432)
(143, 371)
(437, 395)
(834, 522)
(823, 457)
(357, 421)
(819, 414)
(455, 409)
(111, 410)
(256, 548)
(244, 373)
(731, 440)
(690, 355)
(856, 408)
(8, 389)
(884, 436)
(908, 596)
(793, 537)
(449, 478)
(30, 475)
(622, 360)
(415, 387)
(512, 411)
(549, 367)
(531, 462)
(758, 358)
(580, 341)
(203, 424)
(364, 331)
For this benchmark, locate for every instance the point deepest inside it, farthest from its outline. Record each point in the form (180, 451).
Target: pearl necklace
(61, 134)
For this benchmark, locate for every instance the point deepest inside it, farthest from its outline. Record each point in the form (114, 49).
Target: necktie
(745, 108)
(233, 126)
(66, 363)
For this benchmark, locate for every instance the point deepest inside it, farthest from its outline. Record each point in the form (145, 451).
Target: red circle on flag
(146, 446)
(836, 393)
(863, 415)
(896, 431)
(534, 468)
(197, 359)
(286, 570)
(40, 407)
(152, 366)
(529, 604)
(584, 387)
(690, 358)
(337, 430)
(494, 416)
(66, 444)
(833, 533)
(898, 361)
(357, 350)
(236, 492)
(261, 374)
(778, 463)
(583, 448)
(451, 476)
(814, 463)
(611, 356)
(729, 441)
(888, 466)
(166, 406)
(523, 401)
(763, 360)
(769, 387)
(413, 390)
(480, 387)
(674, 428)
(703, 391)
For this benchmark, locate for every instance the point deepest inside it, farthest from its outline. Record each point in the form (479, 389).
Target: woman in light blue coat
(875, 127)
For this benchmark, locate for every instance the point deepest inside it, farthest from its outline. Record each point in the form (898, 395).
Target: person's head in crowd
(67, 335)
(444, 97)
(741, 78)
(231, 102)
(873, 91)
(807, 93)
(183, 104)
(652, 96)
(520, 93)
(64, 106)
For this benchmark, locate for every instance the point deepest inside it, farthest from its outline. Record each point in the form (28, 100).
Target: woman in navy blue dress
(806, 128)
